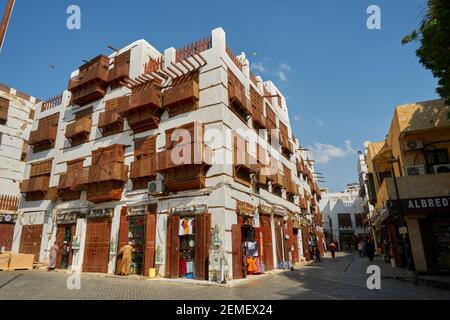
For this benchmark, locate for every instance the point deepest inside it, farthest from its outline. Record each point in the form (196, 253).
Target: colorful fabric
(190, 267)
(252, 249)
(251, 264)
(183, 266)
(186, 227)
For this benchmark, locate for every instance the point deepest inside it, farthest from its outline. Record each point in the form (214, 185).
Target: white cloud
(348, 145)
(320, 122)
(282, 76)
(286, 67)
(324, 153)
(258, 66)
(297, 118)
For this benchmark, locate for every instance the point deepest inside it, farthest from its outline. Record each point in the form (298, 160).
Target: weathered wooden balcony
(259, 120)
(80, 128)
(237, 96)
(35, 185)
(277, 180)
(144, 97)
(91, 82)
(182, 97)
(198, 154)
(4, 106)
(186, 178)
(303, 204)
(43, 135)
(121, 68)
(143, 108)
(146, 167)
(74, 180)
(109, 118)
(244, 160)
(108, 172)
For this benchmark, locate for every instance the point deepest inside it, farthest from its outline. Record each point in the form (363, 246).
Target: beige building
(16, 119)
(415, 152)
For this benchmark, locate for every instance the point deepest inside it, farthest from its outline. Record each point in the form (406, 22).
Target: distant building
(344, 216)
(16, 119)
(415, 158)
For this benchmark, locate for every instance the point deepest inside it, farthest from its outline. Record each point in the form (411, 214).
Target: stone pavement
(339, 279)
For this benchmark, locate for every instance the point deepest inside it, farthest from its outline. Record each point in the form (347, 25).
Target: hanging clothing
(252, 249)
(190, 267)
(183, 266)
(251, 264)
(186, 227)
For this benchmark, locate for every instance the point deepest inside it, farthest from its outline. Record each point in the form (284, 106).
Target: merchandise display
(136, 234)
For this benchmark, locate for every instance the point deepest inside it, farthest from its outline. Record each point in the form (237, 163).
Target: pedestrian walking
(53, 256)
(370, 249)
(125, 253)
(333, 248)
(361, 248)
(316, 254)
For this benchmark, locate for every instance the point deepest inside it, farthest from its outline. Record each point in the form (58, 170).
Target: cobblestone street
(340, 279)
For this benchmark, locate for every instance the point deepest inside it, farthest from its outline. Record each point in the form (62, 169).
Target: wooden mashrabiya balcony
(143, 108)
(92, 81)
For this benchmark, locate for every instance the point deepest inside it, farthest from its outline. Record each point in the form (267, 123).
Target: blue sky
(341, 79)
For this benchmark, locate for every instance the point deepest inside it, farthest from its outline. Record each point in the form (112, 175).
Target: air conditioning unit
(415, 170)
(156, 187)
(413, 145)
(441, 168)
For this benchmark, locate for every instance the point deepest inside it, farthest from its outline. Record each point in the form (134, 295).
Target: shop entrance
(436, 242)
(295, 253)
(6, 235)
(30, 240)
(140, 229)
(246, 246)
(97, 246)
(64, 237)
(267, 248)
(188, 243)
(280, 250)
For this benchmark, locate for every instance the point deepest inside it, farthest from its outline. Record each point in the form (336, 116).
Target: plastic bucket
(152, 273)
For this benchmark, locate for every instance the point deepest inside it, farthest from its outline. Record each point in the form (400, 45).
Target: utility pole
(5, 21)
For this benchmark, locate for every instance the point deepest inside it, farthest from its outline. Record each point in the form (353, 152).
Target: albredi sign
(435, 205)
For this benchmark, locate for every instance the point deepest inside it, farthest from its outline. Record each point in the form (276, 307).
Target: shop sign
(8, 218)
(244, 208)
(101, 213)
(69, 217)
(279, 211)
(265, 210)
(190, 211)
(138, 211)
(432, 205)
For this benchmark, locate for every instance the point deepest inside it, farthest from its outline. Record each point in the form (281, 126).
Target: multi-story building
(369, 210)
(344, 217)
(167, 150)
(409, 185)
(16, 119)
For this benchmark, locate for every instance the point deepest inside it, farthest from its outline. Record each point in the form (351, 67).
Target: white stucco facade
(221, 191)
